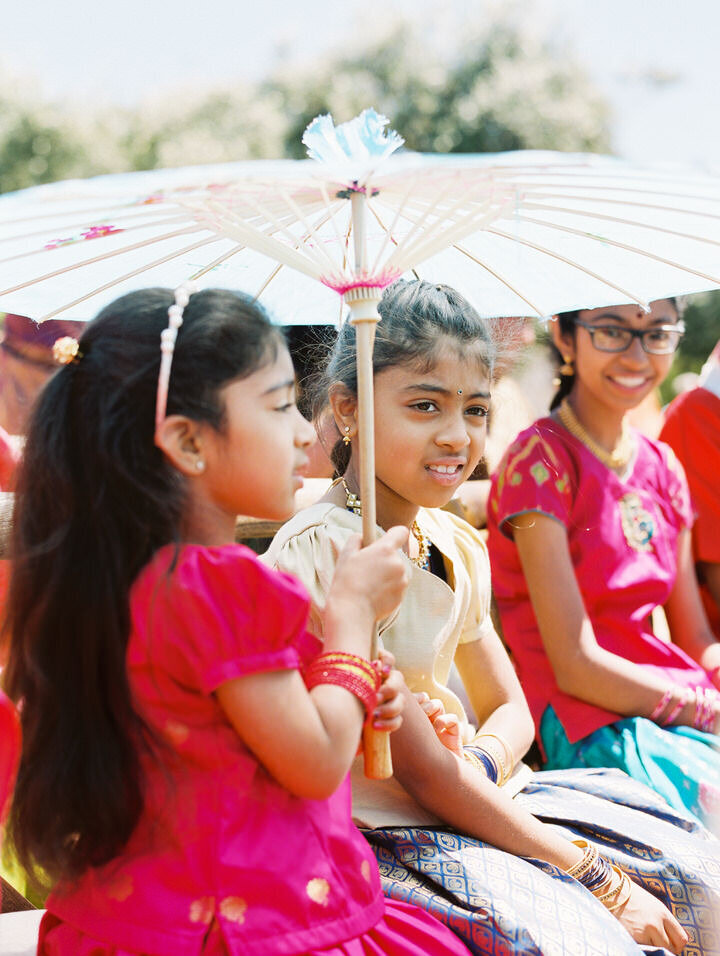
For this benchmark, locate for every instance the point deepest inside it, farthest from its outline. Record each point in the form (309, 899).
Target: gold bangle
(609, 895)
(590, 855)
(506, 748)
(613, 907)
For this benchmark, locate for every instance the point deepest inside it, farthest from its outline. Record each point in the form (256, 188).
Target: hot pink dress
(622, 533)
(223, 859)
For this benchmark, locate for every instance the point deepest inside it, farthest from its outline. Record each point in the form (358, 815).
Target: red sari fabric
(692, 429)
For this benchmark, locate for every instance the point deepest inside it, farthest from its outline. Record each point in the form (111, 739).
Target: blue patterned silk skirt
(501, 904)
(680, 763)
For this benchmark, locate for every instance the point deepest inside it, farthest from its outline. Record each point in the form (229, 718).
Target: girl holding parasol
(433, 363)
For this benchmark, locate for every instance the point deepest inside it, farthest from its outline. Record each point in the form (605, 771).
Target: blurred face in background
(26, 363)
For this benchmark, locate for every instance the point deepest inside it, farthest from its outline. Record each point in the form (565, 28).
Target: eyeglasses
(658, 340)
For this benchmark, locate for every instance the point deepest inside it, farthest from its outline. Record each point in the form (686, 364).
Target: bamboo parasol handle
(376, 744)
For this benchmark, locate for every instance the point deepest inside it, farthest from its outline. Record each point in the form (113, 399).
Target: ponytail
(95, 499)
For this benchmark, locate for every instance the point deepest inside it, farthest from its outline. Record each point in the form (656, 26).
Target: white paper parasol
(518, 233)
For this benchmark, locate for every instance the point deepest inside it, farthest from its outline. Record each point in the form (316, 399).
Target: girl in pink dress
(589, 527)
(186, 740)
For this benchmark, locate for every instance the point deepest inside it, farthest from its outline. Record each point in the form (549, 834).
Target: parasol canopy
(518, 233)
(524, 233)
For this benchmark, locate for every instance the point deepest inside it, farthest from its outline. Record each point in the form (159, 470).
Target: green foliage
(499, 90)
(498, 93)
(702, 331)
(32, 151)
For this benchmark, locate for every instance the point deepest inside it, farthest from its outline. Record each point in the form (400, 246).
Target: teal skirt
(679, 763)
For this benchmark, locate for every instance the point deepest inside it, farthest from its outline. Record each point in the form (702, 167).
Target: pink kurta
(623, 535)
(220, 841)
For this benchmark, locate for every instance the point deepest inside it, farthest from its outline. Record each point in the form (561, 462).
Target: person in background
(589, 532)
(692, 429)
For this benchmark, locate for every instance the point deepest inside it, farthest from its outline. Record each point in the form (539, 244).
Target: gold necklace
(618, 459)
(353, 503)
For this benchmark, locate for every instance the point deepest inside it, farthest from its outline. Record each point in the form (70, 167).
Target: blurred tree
(34, 148)
(702, 331)
(500, 90)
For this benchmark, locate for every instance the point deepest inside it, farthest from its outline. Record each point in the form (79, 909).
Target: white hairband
(167, 347)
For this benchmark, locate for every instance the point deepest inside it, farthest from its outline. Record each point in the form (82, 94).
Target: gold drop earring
(567, 367)
(346, 437)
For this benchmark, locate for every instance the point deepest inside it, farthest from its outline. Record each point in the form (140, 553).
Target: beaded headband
(167, 347)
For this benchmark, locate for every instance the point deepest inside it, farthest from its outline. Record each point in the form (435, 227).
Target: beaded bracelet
(705, 700)
(686, 696)
(662, 704)
(349, 671)
(483, 761)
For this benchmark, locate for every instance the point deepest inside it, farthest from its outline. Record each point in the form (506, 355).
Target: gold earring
(567, 367)
(346, 436)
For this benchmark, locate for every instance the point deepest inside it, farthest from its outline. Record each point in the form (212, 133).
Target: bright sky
(657, 61)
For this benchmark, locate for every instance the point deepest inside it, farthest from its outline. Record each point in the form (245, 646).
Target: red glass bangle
(349, 671)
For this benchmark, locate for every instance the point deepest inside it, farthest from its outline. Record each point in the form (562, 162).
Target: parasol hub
(363, 303)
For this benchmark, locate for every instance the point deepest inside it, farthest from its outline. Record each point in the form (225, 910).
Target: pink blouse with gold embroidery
(622, 533)
(219, 841)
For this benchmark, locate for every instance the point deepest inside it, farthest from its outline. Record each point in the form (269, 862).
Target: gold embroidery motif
(638, 524)
(202, 910)
(365, 870)
(233, 908)
(121, 887)
(318, 890)
(539, 473)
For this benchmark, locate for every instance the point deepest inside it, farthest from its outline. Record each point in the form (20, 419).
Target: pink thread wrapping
(342, 285)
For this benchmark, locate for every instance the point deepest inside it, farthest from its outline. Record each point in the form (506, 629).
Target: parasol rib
(89, 224)
(500, 278)
(632, 296)
(109, 255)
(131, 275)
(625, 222)
(628, 202)
(619, 245)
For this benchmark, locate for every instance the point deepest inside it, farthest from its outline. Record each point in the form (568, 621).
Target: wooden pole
(364, 316)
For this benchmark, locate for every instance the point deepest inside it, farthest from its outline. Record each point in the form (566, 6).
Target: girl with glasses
(589, 533)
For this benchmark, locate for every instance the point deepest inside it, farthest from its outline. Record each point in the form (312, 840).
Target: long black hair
(417, 318)
(95, 499)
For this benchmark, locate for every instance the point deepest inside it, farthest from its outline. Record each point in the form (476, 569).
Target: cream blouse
(423, 633)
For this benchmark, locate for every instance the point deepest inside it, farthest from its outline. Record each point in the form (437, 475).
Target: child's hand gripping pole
(364, 316)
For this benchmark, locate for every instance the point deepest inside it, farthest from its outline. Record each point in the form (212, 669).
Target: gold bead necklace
(618, 459)
(353, 503)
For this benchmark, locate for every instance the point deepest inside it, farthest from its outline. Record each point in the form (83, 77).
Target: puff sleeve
(534, 475)
(215, 614)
